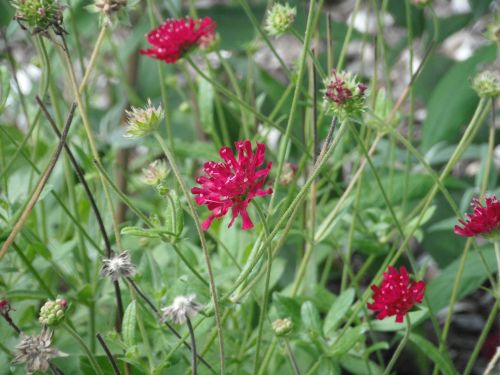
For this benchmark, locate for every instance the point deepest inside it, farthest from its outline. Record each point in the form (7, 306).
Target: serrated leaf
(433, 354)
(128, 324)
(338, 310)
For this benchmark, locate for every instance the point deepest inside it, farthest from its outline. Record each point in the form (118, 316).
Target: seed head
(36, 351)
(52, 312)
(39, 15)
(344, 95)
(288, 173)
(487, 84)
(279, 19)
(118, 266)
(282, 327)
(183, 307)
(155, 172)
(143, 121)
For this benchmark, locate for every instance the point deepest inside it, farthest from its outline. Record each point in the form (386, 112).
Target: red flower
(4, 306)
(172, 39)
(485, 220)
(396, 296)
(233, 183)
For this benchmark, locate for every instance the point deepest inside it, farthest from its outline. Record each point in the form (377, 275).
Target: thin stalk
(266, 286)
(347, 39)
(291, 357)
(295, 101)
(400, 347)
(93, 57)
(112, 361)
(39, 188)
(81, 342)
(480, 342)
(194, 214)
(193, 346)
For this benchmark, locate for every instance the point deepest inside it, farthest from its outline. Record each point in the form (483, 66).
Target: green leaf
(338, 311)
(174, 214)
(433, 353)
(453, 101)
(310, 318)
(359, 366)
(474, 274)
(287, 308)
(206, 104)
(129, 320)
(347, 341)
(139, 232)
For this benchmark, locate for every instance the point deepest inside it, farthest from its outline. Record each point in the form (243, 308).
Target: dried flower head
(183, 307)
(233, 183)
(52, 312)
(280, 18)
(36, 351)
(176, 37)
(483, 221)
(396, 295)
(110, 6)
(143, 121)
(487, 84)
(344, 95)
(288, 173)
(118, 266)
(155, 172)
(39, 15)
(282, 327)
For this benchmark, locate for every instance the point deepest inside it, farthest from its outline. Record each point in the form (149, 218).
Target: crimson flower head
(483, 221)
(233, 183)
(396, 295)
(175, 37)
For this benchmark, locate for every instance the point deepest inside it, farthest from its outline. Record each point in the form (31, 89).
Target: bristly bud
(52, 312)
(487, 84)
(280, 18)
(155, 172)
(36, 351)
(344, 95)
(143, 121)
(39, 16)
(282, 327)
(118, 266)
(183, 307)
(111, 10)
(493, 30)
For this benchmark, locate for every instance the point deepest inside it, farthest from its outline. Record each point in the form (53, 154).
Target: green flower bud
(52, 313)
(487, 84)
(39, 15)
(280, 18)
(155, 172)
(493, 30)
(344, 95)
(282, 327)
(143, 121)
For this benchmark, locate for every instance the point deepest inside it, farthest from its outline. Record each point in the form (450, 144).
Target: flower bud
(4, 306)
(487, 84)
(280, 18)
(344, 95)
(155, 172)
(143, 121)
(52, 313)
(282, 327)
(39, 15)
(493, 30)
(288, 173)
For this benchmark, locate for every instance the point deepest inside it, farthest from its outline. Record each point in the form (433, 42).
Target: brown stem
(108, 354)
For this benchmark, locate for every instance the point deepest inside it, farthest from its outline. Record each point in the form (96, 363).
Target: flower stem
(193, 346)
(80, 341)
(116, 370)
(192, 209)
(400, 347)
(291, 357)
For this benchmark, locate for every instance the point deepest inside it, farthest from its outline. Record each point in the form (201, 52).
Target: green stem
(81, 342)
(194, 214)
(291, 357)
(400, 347)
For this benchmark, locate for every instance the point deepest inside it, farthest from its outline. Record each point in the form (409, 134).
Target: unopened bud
(52, 312)
(282, 327)
(280, 18)
(487, 84)
(143, 121)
